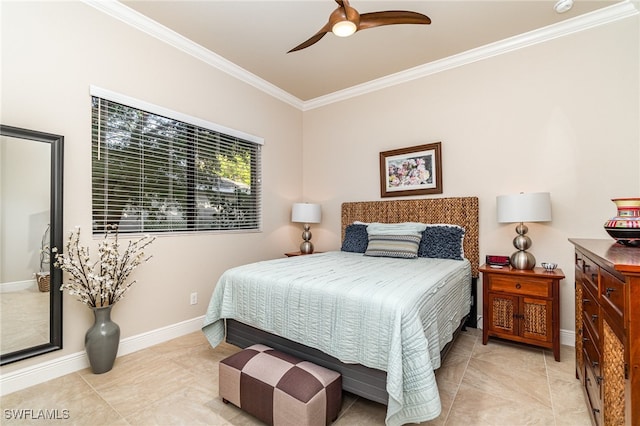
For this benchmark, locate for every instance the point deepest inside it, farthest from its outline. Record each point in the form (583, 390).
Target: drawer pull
(518, 286)
(599, 380)
(609, 291)
(585, 301)
(595, 410)
(594, 278)
(626, 371)
(585, 339)
(594, 318)
(594, 364)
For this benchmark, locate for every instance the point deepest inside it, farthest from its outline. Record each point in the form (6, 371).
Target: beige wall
(562, 116)
(51, 54)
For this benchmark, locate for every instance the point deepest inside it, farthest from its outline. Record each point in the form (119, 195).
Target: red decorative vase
(625, 227)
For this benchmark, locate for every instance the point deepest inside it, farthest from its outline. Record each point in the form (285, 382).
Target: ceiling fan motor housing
(344, 21)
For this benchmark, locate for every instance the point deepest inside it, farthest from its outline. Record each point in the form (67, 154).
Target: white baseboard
(18, 286)
(568, 337)
(39, 373)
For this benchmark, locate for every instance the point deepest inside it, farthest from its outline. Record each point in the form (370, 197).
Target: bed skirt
(366, 382)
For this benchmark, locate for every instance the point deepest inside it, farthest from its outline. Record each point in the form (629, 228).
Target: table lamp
(532, 207)
(306, 213)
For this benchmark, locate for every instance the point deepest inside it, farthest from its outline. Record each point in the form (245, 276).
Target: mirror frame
(55, 295)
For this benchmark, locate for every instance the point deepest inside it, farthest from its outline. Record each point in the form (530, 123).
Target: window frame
(192, 222)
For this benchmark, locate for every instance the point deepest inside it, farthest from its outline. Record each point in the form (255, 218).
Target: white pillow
(405, 228)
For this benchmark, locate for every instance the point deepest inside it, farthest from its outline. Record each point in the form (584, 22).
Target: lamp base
(306, 247)
(523, 260)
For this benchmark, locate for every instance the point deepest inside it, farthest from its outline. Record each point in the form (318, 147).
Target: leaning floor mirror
(31, 166)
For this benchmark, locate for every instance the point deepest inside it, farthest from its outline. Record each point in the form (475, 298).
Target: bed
(405, 324)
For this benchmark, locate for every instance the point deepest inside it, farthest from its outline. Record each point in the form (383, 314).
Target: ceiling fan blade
(338, 14)
(313, 40)
(391, 17)
(344, 12)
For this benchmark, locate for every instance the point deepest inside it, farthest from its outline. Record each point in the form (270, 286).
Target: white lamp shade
(533, 207)
(306, 213)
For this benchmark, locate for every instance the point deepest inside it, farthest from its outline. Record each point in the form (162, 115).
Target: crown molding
(593, 19)
(580, 23)
(139, 21)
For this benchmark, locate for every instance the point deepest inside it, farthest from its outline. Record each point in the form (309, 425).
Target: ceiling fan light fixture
(344, 28)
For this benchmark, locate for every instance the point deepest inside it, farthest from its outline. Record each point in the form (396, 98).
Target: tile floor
(176, 383)
(24, 315)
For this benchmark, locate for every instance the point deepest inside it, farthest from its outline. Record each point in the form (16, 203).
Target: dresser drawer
(591, 312)
(590, 272)
(590, 347)
(593, 375)
(594, 393)
(523, 286)
(612, 296)
(579, 264)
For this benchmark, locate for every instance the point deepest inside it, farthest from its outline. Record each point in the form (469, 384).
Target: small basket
(44, 281)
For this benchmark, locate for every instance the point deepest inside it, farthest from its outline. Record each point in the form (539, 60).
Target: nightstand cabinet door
(537, 319)
(502, 315)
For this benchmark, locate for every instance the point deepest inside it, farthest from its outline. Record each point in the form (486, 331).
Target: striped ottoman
(280, 389)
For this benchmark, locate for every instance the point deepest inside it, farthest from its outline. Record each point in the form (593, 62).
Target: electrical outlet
(194, 298)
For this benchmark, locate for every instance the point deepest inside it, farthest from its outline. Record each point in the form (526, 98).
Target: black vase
(102, 340)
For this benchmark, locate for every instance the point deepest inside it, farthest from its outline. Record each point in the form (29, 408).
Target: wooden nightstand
(522, 305)
(297, 253)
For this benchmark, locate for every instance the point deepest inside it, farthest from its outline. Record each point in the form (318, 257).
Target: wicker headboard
(461, 211)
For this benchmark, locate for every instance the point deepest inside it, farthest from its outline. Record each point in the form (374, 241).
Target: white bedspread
(390, 314)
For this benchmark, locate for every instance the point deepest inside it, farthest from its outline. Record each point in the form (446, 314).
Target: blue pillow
(442, 242)
(356, 238)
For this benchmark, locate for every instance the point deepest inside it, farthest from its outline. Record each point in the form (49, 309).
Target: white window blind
(155, 173)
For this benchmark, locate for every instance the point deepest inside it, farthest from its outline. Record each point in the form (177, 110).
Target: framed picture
(416, 170)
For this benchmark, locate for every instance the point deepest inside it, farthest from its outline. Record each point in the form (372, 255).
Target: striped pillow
(401, 246)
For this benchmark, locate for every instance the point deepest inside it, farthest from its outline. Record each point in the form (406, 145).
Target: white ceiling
(255, 35)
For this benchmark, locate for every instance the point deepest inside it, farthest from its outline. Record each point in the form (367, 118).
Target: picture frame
(416, 170)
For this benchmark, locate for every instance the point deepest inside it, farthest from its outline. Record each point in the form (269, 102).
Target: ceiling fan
(345, 20)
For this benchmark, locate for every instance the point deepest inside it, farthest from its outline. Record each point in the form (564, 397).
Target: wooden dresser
(608, 329)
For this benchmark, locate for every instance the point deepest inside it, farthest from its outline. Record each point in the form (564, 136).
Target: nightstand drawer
(521, 285)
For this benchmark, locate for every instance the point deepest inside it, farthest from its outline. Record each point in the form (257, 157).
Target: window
(153, 172)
